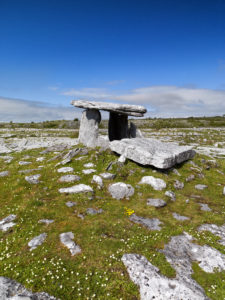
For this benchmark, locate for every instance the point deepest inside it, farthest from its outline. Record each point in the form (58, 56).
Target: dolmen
(127, 140)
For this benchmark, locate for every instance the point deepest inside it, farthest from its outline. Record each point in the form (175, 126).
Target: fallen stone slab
(66, 239)
(152, 224)
(216, 230)
(79, 188)
(132, 110)
(7, 222)
(12, 290)
(156, 202)
(4, 173)
(180, 218)
(146, 151)
(33, 179)
(65, 170)
(69, 178)
(120, 190)
(107, 175)
(37, 241)
(156, 183)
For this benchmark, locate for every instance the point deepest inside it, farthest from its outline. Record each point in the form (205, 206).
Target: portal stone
(88, 133)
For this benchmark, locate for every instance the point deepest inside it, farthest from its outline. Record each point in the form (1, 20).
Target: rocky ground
(77, 224)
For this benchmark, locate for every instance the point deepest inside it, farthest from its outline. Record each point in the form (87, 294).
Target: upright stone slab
(88, 133)
(118, 126)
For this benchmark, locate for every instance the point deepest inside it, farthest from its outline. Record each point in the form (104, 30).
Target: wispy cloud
(18, 110)
(90, 93)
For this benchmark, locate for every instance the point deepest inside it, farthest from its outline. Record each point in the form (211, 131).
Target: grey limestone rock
(204, 207)
(65, 170)
(24, 163)
(12, 290)
(107, 175)
(98, 180)
(7, 222)
(40, 159)
(93, 211)
(156, 202)
(178, 185)
(200, 186)
(224, 190)
(70, 203)
(216, 230)
(89, 165)
(152, 152)
(46, 221)
(152, 224)
(4, 173)
(171, 195)
(88, 132)
(88, 171)
(68, 157)
(190, 178)
(179, 217)
(134, 132)
(66, 239)
(33, 179)
(127, 109)
(79, 188)
(37, 241)
(69, 178)
(120, 190)
(156, 183)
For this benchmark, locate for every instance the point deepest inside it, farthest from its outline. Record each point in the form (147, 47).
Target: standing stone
(118, 126)
(134, 131)
(88, 133)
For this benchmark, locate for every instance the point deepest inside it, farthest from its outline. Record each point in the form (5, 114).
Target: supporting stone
(134, 131)
(118, 126)
(88, 133)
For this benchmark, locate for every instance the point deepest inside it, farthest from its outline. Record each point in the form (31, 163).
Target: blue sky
(166, 55)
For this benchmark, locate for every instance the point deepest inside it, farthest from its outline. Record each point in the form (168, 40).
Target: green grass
(103, 238)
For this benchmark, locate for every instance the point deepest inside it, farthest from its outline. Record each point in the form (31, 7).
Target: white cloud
(18, 110)
(90, 93)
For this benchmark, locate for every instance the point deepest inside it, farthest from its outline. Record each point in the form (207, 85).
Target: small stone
(157, 183)
(107, 175)
(190, 178)
(178, 185)
(98, 180)
(69, 178)
(4, 173)
(171, 195)
(93, 211)
(79, 188)
(7, 223)
(224, 190)
(187, 201)
(65, 170)
(176, 172)
(179, 217)
(71, 203)
(37, 241)
(67, 240)
(81, 216)
(88, 171)
(46, 221)
(152, 224)
(120, 190)
(89, 165)
(204, 207)
(156, 202)
(33, 179)
(24, 163)
(200, 186)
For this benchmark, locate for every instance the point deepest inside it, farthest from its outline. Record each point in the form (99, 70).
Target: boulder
(156, 202)
(148, 151)
(79, 188)
(120, 190)
(157, 183)
(88, 132)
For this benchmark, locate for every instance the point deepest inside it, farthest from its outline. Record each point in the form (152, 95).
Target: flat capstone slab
(152, 224)
(66, 239)
(79, 188)
(148, 151)
(156, 183)
(120, 190)
(37, 241)
(69, 178)
(156, 202)
(126, 109)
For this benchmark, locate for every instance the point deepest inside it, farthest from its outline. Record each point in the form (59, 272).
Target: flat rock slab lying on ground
(12, 290)
(66, 239)
(120, 190)
(152, 152)
(127, 109)
(79, 188)
(152, 224)
(33, 179)
(156, 202)
(7, 222)
(107, 175)
(156, 183)
(4, 173)
(37, 241)
(180, 253)
(69, 178)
